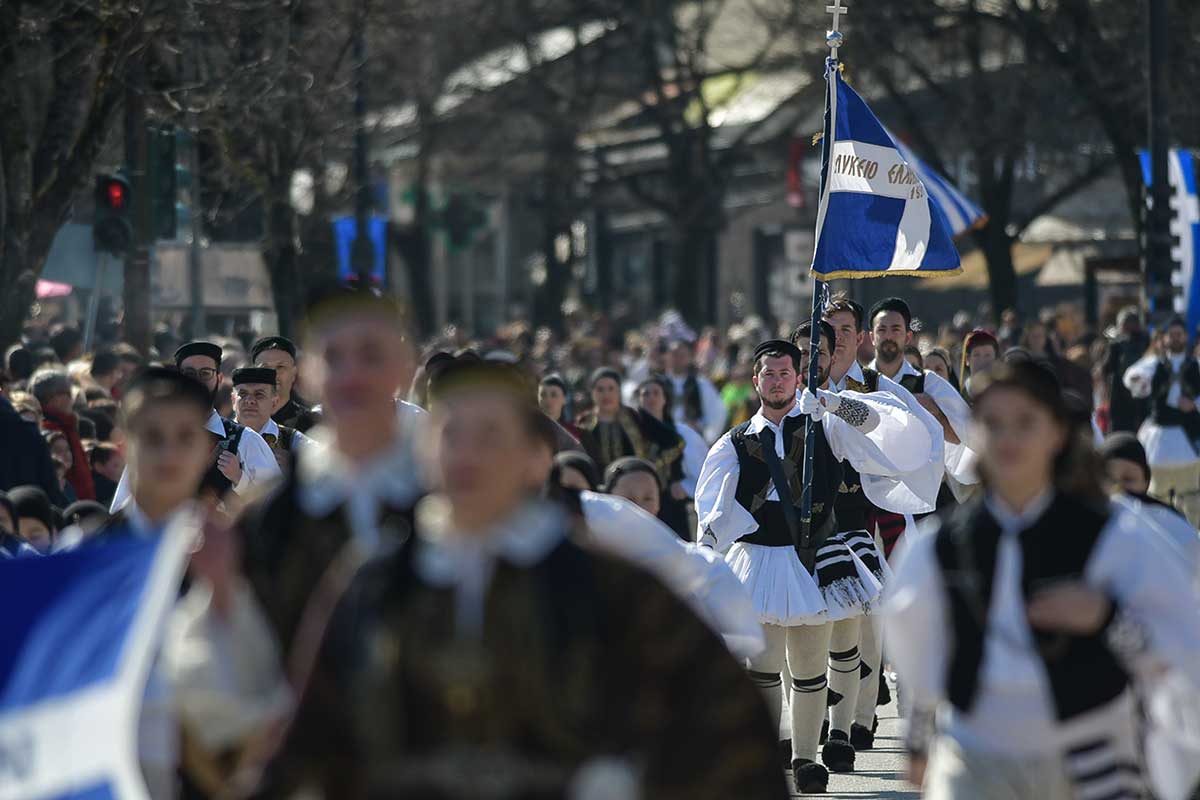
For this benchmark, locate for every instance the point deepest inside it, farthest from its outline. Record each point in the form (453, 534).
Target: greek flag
(876, 215)
(1185, 229)
(962, 214)
(79, 635)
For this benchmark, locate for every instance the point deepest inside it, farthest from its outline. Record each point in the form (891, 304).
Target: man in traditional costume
(255, 393)
(748, 506)
(279, 353)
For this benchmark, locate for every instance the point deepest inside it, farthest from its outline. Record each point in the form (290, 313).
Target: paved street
(879, 773)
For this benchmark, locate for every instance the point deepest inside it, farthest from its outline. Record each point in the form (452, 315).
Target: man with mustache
(241, 459)
(748, 501)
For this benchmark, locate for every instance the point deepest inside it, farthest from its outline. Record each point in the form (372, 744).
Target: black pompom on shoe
(785, 753)
(861, 737)
(838, 754)
(824, 731)
(810, 778)
(885, 691)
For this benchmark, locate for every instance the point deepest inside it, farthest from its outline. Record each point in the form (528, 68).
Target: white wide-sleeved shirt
(713, 413)
(898, 444)
(254, 455)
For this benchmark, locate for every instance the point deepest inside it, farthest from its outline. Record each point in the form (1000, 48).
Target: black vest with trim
(1160, 388)
(914, 383)
(754, 484)
(214, 481)
(853, 507)
(1083, 672)
(286, 440)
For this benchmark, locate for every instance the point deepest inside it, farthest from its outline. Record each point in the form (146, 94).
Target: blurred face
(253, 404)
(981, 359)
(915, 360)
(889, 334)
(203, 369)
(1176, 340)
(1020, 439)
(551, 400)
(936, 364)
(640, 488)
(652, 399)
(7, 523)
(112, 468)
(679, 358)
(1035, 337)
(571, 478)
(483, 455)
(777, 381)
(59, 403)
(358, 365)
(606, 394)
(285, 371)
(848, 340)
(168, 451)
(61, 450)
(34, 531)
(1126, 476)
(126, 370)
(823, 360)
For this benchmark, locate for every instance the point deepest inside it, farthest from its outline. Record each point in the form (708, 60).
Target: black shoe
(824, 731)
(785, 753)
(861, 737)
(875, 724)
(810, 778)
(837, 753)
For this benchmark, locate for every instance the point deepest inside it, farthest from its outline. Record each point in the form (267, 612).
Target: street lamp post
(1157, 264)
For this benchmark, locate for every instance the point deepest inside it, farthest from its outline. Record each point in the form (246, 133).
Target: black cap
(190, 349)
(254, 375)
(81, 510)
(777, 346)
(164, 383)
(1125, 446)
(272, 343)
(891, 304)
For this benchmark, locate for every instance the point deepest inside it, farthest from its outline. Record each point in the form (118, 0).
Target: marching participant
(1170, 433)
(1027, 615)
(488, 644)
(748, 506)
(241, 459)
(255, 393)
(279, 353)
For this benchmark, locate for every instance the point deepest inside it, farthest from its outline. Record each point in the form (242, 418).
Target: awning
(1027, 258)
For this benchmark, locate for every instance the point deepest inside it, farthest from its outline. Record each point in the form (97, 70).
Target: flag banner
(962, 214)
(80, 633)
(876, 216)
(1185, 231)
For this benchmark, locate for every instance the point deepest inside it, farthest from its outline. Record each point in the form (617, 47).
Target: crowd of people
(577, 561)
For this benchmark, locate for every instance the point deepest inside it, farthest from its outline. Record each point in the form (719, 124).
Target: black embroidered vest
(754, 483)
(914, 383)
(214, 480)
(1084, 674)
(853, 507)
(1160, 387)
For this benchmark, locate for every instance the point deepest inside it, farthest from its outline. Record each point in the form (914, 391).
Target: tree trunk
(997, 245)
(288, 286)
(692, 247)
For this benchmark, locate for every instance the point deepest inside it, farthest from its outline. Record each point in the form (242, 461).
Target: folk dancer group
(394, 619)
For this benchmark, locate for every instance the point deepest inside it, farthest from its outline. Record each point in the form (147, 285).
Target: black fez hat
(254, 375)
(891, 304)
(272, 343)
(780, 346)
(1124, 445)
(190, 349)
(164, 383)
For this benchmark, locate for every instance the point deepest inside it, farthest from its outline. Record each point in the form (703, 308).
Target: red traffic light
(116, 195)
(112, 193)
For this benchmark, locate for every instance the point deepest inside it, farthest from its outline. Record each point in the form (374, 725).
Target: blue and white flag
(962, 214)
(79, 635)
(876, 217)
(1185, 228)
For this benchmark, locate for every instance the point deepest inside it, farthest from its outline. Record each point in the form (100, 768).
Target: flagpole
(805, 549)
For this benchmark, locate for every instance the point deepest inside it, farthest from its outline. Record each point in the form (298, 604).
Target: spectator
(52, 388)
(107, 465)
(938, 360)
(11, 545)
(60, 451)
(19, 363)
(24, 457)
(552, 399)
(636, 480)
(102, 418)
(106, 370)
(912, 354)
(35, 517)
(67, 343)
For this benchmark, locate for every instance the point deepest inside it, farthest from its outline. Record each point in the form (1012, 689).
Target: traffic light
(462, 218)
(112, 231)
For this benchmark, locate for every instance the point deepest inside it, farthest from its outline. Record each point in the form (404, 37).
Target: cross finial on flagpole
(834, 38)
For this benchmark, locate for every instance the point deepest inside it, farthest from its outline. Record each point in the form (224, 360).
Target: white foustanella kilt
(784, 593)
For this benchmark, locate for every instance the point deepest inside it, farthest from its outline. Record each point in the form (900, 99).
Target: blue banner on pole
(344, 234)
(1185, 230)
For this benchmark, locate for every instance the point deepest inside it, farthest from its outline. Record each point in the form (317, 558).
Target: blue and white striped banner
(962, 214)
(1185, 227)
(876, 216)
(80, 632)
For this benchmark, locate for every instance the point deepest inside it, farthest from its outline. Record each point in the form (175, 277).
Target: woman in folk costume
(1024, 618)
(748, 503)
(610, 431)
